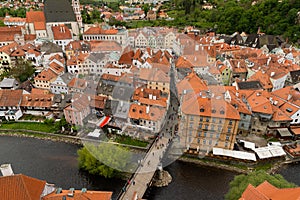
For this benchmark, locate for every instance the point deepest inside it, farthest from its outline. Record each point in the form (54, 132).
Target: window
(191, 132)
(191, 124)
(211, 135)
(218, 135)
(207, 119)
(204, 141)
(191, 118)
(200, 126)
(226, 144)
(198, 141)
(212, 127)
(227, 137)
(229, 130)
(230, 122)
(201, 119)
(206, 126)
(205, 134)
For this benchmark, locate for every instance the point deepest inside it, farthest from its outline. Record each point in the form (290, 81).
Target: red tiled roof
(266, 191)
(191, 83)
(20, 187)
(10, 98)
(209, 107)
(61, 32)
(39, 25)
(78, 83)
(126, 58)
(35, 16)
(40, 100)
(8, 33)
(46, 75)
(140, 112)
(78, 195)
(99, 31)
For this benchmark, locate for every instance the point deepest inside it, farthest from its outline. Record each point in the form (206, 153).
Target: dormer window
(213, 110)
(222, 112)
(202, 109)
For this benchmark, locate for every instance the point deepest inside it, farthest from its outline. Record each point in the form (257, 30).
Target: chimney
(272, 74)
(6, 170)
(154, 97)
(150, 96)
(147, 109)
(89, 98)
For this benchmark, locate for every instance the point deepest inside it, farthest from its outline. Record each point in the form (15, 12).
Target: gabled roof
(79, 195)
(279, 115)
(99, 31)
(35, 16)
(126, 58)
(209, 107)
(10, 98)
(61, 32)
(154, 74)
(46, 75)
(266, 191)
(191, 83)
(260, 103)
(37, 99)
(141, 112)
(263, 78)
(78, 83)
(20, 187)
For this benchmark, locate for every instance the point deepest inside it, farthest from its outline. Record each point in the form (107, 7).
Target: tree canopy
(106, 159)
(240, 183)
(272, 16)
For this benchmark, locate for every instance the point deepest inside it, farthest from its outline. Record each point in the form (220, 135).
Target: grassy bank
(29, 126)
(123, 139)
(240, 168)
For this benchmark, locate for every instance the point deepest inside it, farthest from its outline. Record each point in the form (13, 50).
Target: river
(57, 163)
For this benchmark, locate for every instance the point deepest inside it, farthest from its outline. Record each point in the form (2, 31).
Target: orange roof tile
(20, 187)
(183, 63)
(140, 112)
(35, 16)
(260, 103)
(39, 25)
(39, 100)
(279, 115)
(61, 32)
(78, 83)
(126, 58)
(99, 31)
(10, 98)
(193, 83)
(78, 195)
(263, 78)
(266, 191)
(46, 75)
(209, 107)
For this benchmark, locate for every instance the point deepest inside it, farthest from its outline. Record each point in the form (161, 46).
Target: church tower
(76, 8)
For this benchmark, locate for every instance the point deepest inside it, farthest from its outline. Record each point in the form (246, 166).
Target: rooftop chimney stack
(6, 170)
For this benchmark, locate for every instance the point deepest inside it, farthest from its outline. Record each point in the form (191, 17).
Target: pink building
(76, 111)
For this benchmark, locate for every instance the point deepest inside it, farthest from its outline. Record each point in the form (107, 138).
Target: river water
(57, 163)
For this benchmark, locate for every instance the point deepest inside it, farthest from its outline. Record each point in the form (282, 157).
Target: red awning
(105, 120)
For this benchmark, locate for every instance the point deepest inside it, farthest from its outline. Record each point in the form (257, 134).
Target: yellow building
(207, 122)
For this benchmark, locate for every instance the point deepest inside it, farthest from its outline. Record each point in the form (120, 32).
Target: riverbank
(41, 135)
(270, 168)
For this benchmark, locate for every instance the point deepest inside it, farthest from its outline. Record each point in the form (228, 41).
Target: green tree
(22, 70)
(240, 183)
(106, 159)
